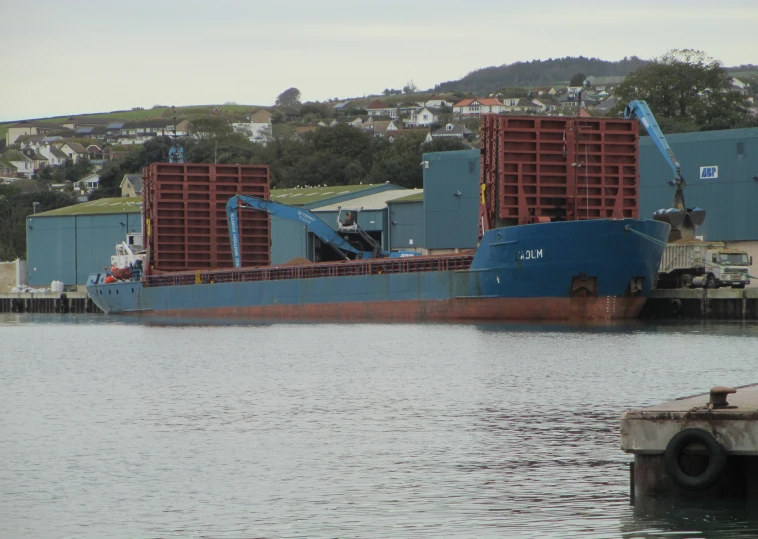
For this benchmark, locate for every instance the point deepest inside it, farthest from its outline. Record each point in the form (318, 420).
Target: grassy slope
(156, 112)
(739, 73)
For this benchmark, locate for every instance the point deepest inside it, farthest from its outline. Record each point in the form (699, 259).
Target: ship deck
(315, 270)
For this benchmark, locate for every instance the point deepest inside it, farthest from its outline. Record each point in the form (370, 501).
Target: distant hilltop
(538, 73)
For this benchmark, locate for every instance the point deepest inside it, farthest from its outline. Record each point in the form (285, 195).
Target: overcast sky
(83, 56)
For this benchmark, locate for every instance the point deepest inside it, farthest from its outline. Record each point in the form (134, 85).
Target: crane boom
(322, 230)
(641, 111)
(683, 220)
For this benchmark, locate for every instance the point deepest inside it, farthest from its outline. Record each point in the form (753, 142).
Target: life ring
(716, 459)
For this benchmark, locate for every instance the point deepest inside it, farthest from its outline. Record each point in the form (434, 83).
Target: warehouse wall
(69, 247)
(288, 240)
(451, 199)
(96, 239)
(406, 225)
(729, 199)
(51, 250)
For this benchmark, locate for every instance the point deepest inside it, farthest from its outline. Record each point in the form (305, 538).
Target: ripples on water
(118, 428)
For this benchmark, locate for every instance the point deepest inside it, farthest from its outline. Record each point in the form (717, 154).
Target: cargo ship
(601, 269)
(559, 239)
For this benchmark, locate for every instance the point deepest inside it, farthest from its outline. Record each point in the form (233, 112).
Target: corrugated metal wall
(729, 199)
(51, 250)
(406, 225)
(288, 241)
(451, 199)
(69, 247)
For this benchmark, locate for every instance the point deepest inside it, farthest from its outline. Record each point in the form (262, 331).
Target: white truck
(701, 264)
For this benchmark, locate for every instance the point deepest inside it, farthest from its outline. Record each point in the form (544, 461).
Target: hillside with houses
(32, 145)
(40, 149)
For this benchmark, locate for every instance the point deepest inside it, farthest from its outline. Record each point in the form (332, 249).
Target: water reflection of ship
(563, 326)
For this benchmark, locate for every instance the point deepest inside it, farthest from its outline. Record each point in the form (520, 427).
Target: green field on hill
(146, 114)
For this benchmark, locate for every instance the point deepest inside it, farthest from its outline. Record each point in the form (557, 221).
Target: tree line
(537, 73)
(14, 208)
(687, 91)
(339, 155)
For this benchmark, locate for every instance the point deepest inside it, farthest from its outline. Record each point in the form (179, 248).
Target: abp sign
(709, 173)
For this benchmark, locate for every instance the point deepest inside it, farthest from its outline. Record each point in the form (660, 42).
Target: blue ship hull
(598, 269)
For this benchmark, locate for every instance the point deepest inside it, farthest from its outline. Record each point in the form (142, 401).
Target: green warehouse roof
(308, 195)
(418, 196)
(100, 206)
(312, 197)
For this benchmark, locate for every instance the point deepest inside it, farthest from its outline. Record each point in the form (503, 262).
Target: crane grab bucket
(696, 216)
(683, 222)
(671, 216)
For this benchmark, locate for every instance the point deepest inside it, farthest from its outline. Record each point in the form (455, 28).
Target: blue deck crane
(315, 224)
(684, 221)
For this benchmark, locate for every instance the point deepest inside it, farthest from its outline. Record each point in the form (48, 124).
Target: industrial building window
(740, 148)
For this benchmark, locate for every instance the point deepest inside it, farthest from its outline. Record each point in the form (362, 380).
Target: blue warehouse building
(69, 243)
(291, 240)
(406, 222)
(721, 170)
(451, 200)
(444, 218)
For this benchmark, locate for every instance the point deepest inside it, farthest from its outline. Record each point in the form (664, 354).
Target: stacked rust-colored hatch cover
(540, 169)
(185, 215)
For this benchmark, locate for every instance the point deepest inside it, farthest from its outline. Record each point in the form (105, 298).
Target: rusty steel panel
(185, 215)
(541, 169)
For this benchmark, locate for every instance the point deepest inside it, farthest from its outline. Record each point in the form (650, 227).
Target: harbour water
(113, 427)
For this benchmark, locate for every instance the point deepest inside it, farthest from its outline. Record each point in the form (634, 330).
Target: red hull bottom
(478, 309)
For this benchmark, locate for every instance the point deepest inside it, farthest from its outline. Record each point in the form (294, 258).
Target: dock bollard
(718, 396)
(64, 304)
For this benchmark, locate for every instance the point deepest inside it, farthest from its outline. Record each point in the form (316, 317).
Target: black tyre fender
(716, 459)
(676, 305)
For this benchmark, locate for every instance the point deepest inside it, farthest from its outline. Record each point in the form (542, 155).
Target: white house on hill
(258, 129)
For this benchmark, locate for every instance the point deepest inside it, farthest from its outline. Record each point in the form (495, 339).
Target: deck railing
(311, 271)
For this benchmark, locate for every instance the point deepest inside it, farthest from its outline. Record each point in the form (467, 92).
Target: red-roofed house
(468, 108)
